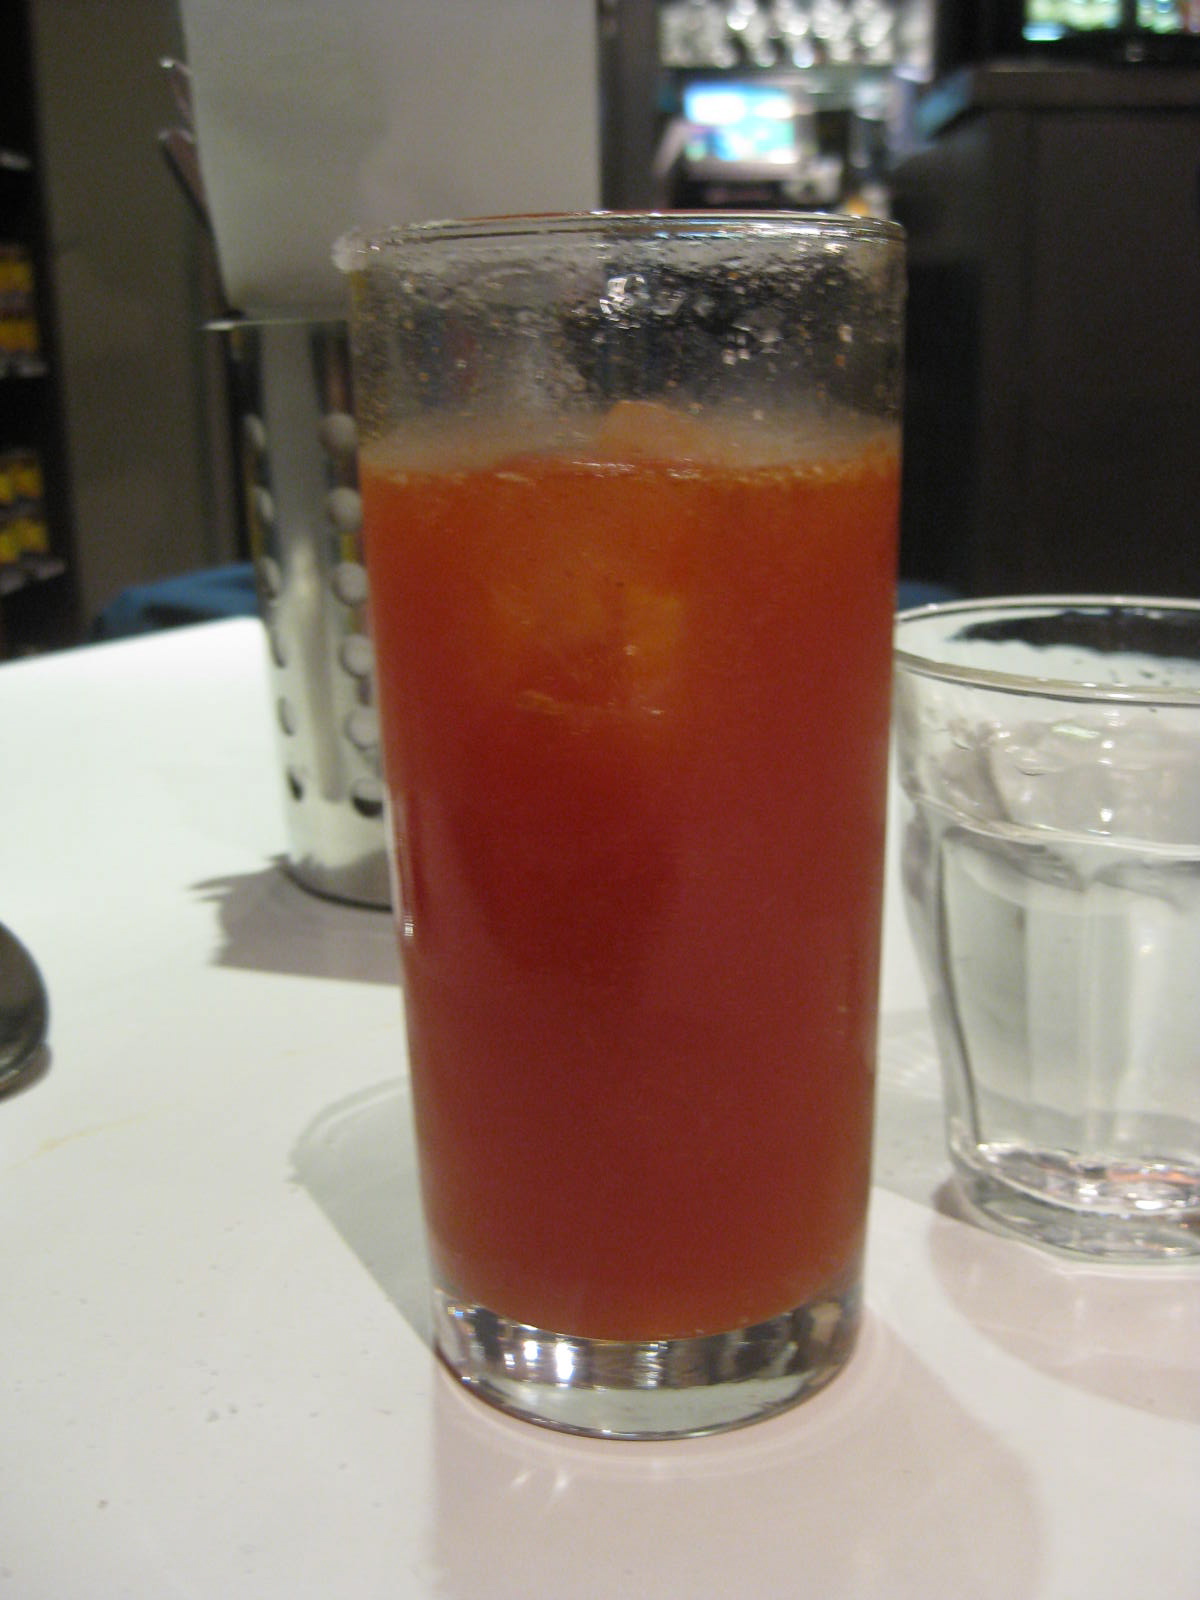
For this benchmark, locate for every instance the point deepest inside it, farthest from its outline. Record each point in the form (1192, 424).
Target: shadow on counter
(848, 1493)
(1127, 1333)
(268, 923)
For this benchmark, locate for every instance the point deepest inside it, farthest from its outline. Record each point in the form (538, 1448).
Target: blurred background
(1044, 156)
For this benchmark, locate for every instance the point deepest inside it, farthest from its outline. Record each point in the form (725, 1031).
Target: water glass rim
(357, 248)
(929, 664)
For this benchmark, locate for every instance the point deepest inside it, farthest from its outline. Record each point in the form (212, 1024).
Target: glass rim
(355, 249)
(1051, 688)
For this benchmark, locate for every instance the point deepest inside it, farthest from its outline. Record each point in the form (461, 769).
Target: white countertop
(215, 1378)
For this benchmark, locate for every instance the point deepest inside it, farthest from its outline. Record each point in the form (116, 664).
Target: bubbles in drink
(825, 438)
(586, 527)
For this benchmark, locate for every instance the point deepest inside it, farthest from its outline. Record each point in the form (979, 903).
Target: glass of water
(1049, 754)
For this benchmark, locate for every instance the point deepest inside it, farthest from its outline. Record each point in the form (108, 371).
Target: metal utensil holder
(297, 445)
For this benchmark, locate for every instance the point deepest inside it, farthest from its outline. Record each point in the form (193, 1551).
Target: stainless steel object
(178, 146)
(298, 457)
(180, 78)
(24, 1010)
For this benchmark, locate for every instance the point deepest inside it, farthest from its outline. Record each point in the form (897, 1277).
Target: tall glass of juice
(630, 489)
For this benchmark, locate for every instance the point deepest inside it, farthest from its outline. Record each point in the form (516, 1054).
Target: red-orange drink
(629, 495)
(635, 708)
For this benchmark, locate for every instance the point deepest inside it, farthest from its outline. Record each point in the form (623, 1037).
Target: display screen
(740, 123)
(1055, 21)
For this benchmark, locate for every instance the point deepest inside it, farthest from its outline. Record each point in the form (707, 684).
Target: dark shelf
(16, 575)
(39, 598)
(22, 369)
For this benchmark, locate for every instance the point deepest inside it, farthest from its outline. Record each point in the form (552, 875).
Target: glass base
(1115, 1215)
(651, 1389)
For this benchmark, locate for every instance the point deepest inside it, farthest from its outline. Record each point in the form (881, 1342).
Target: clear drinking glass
(1049, 750)
(630, 492)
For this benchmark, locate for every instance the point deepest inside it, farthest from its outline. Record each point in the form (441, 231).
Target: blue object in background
(173, 602)
(915, 592)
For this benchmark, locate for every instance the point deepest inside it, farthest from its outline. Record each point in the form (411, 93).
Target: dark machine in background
(750, 103)
(1044, 156)
(1053, 400)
